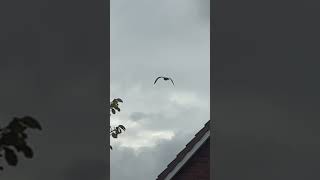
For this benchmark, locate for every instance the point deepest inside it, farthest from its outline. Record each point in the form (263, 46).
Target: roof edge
(186, 153)
(185, 159)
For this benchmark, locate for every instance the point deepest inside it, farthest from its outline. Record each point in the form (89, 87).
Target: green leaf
(114, 135)
(27, 151)
(118, 130)
(122, 127)
(31, 122)
(113, 111)
(11, 139)
(119, 100)
(16, 126)
(10, 156)
(24, 135)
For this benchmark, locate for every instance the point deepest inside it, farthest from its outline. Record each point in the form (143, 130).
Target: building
(193, 162)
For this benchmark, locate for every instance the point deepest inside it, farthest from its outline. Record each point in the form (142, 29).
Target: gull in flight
(164, 78)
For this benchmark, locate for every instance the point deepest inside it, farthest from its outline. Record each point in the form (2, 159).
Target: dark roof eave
(184, 151)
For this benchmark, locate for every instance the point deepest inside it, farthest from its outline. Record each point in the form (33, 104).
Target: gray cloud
(154, 159)
(150, 39)
(137, 116)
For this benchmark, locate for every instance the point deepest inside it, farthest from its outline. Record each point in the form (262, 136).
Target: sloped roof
(184, 155)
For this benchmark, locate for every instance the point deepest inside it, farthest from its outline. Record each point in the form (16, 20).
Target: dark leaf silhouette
(31, 122)
(15, 136)
(117, 108)
(27, 151)
(16, 126)
(114, 135)
(10, 156)
(119, 100)
(114, 107)
(122, 127)
(24, 135)
(11, 138)
(118, 130)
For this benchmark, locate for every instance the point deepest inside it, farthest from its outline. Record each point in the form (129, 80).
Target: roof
(183, 156)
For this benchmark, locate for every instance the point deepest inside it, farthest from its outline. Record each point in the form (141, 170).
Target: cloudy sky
(150, 39)
(265, 98)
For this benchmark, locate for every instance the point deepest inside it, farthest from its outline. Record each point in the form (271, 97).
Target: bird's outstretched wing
(172, 81)
(157, 79)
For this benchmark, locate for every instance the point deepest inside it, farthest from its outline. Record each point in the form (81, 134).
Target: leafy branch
(13, 139)
(114, 107)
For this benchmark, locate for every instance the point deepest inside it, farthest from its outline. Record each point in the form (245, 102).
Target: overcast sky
(150, 39)
(265, 99)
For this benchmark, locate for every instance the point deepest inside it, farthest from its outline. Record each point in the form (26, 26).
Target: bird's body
(164, 78)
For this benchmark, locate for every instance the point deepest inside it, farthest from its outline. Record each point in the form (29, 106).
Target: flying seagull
(164, 78)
